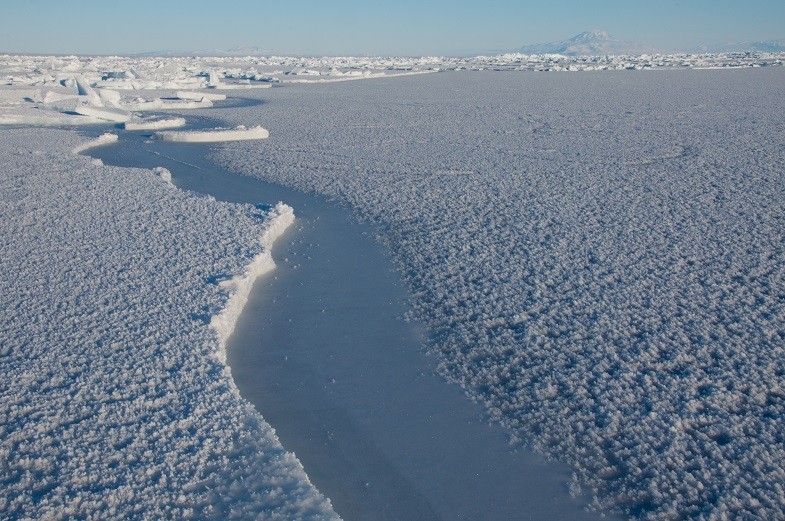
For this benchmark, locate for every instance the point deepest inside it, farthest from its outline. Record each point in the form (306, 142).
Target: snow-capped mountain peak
(591, 35)
(589, 43)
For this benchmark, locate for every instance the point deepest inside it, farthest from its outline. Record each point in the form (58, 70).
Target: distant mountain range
(759, 46)
(234, 51)
(589, 43)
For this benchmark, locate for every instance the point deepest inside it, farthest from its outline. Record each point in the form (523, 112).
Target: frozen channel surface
(323, 353)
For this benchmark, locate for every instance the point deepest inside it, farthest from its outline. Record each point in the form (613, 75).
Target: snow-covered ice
(282, 217)
(114, 401)
(333, 314)
(243, 86)
(598, 257)
(44, 118)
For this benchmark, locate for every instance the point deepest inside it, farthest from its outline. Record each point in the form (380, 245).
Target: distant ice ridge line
(282, 216)
(370, 76)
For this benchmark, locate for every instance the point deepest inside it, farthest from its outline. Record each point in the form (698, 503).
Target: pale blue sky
(402, 27)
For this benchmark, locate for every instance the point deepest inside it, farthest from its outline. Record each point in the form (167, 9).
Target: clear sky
(402, 27)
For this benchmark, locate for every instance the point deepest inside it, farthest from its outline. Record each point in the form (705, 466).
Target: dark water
(322, 352)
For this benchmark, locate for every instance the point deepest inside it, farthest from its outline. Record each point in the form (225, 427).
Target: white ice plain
(114, 401)
(597, 255)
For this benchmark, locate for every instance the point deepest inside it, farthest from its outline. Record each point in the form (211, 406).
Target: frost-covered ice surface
(113, 401)
(599, 257)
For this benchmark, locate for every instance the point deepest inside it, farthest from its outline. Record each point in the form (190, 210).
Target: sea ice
(159, 104)
(103, 139)
(154, 123)
(282, 217)
(244, 86)
(105, 113)
(51, 97)
(240, 133)
(598, 258)
(84, 89)
(111, 97)
(44, 118)
(113, 398)
(199, 96)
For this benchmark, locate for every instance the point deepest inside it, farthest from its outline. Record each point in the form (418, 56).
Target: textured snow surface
(113, 401)
(599, 257)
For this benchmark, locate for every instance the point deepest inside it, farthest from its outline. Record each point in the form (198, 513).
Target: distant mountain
(248, 51)
(590, 43)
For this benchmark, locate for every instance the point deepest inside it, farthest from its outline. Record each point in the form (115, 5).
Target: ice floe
(239, 133)
(199, 96)
(158, 123)
(105, 113)
(103, 139)
(84, 89)
(143, 105)
(44, 118)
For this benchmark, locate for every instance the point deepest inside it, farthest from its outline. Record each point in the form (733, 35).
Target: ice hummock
(154, 123)
(108, 114)
(103, 139)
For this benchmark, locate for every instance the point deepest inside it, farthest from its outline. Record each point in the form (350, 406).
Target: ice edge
(103, 139)
(282, 216)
